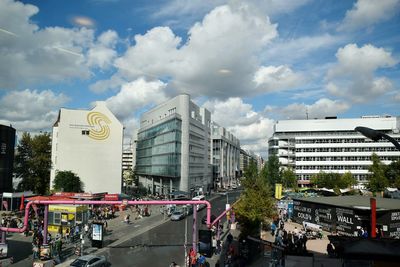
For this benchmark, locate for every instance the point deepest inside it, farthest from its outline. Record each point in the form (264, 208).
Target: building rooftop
(355, 202)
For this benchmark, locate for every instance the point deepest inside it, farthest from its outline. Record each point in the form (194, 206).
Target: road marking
(136, 225)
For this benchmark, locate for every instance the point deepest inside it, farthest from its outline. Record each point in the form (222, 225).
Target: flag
(21, 207)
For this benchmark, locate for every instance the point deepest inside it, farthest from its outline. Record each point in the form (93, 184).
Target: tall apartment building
(127, 159)
(225, 156)
(173, 147)
(89, 143)
(332, 145)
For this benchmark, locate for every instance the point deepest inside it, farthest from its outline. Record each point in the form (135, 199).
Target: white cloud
(366, 13)
(31, 110)
(320, 109)
(273, 78)
(250, 127)
(102, 53)
(225, 39)
(134, 96)
(32, 55)
(231, 112)
(353, 75)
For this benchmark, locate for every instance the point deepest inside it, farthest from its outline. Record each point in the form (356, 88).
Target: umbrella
(21, 206)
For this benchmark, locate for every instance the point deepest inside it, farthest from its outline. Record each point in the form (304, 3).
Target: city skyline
(249, 63)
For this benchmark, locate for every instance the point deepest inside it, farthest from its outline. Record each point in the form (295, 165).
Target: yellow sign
(67, 208)
(278, 191)
(99, 122)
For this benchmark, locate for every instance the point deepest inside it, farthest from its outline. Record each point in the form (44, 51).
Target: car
(90, 261)
(177, 215)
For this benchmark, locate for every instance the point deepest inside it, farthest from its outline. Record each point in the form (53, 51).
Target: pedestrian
(273, 228)
(192, 258)
(86, 228)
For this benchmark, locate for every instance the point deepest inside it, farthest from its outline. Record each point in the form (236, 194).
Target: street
(151, 241)
(163, 244)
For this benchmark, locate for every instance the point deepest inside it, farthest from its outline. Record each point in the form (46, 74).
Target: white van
(200, 206)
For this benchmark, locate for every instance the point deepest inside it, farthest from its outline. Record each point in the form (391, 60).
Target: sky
(250, 63)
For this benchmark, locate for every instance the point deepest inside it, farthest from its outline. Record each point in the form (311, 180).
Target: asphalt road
(162, 244)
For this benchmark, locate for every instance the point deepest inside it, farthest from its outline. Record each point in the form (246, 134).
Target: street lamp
(376, 135)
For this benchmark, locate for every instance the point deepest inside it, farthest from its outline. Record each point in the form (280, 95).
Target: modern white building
(173, 147)
(332, 145)
(225, 156)
(89, 143)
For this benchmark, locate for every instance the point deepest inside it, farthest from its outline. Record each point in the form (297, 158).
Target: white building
(127, 159)
(225, 156)
(89, 143)
(173, 147)
(332, 145)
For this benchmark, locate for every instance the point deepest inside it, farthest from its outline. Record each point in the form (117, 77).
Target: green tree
(289, 179)
(255, 203)
(67, 181)
(347, 180)
(271, 171)
(377, 180)
(22, 160)
(393, 173)
(33, 163)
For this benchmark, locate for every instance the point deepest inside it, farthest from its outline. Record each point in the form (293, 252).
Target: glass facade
(158, 149)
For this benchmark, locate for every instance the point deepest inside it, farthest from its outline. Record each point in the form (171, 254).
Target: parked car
(177, 216)
(90, 261)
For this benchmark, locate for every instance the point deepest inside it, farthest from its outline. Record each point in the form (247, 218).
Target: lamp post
(376, 135)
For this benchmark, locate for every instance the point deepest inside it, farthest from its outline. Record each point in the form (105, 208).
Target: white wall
(95, 158)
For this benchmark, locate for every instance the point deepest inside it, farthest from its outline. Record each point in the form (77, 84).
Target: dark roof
(357, 202)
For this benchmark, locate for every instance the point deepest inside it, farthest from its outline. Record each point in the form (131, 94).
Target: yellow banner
(278, 191)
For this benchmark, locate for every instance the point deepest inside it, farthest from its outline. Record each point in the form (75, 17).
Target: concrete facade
(225, 156)
(332, 145)
(89, 143)
(172, 147)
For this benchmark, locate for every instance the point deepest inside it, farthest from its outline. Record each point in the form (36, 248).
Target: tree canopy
(67, 181)
(271, 171)
(333, 180)
(33, 162)
(289, 179)
(255, 203)
(377, 180)
(393, 173)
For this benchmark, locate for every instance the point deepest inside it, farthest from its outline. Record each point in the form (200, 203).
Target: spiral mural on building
(99, 122)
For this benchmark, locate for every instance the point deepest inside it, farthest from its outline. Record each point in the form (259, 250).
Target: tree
(255, 203)
(23, 156)
(377, 180)
(271, 172)
(33, 162)
(393, 173)
(67, 181)
(347, 180)
(289, 179)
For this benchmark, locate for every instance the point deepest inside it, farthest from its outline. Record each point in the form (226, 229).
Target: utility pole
(185, 247)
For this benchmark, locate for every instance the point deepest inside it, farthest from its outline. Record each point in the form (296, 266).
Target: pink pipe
(108, 202)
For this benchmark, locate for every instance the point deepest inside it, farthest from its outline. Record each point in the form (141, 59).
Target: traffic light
(205, 243)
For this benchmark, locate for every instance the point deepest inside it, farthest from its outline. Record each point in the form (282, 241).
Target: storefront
(61, 217)
(345, 215)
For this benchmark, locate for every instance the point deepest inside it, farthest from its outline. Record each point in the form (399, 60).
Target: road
(162, 244)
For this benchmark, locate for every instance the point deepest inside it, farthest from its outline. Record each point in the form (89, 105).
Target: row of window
(166, 159)
(166, 170)
(174, 124)
(352, 158)
(160, 149)
(332, 167)
(167, 137)
(307, 177)
(346, 149)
